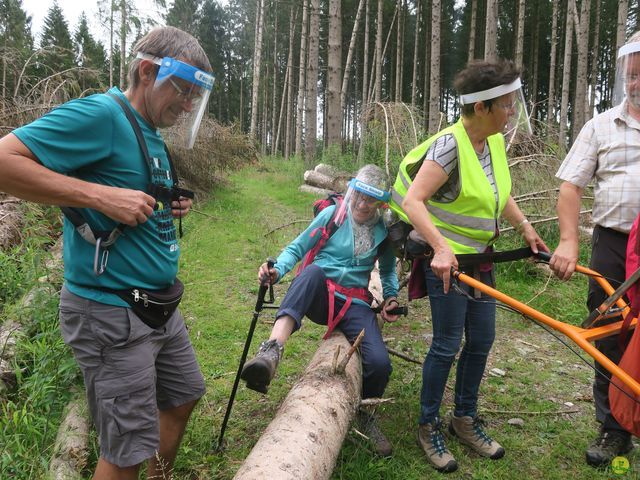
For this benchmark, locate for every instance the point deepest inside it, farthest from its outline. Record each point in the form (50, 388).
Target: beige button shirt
(608, 151)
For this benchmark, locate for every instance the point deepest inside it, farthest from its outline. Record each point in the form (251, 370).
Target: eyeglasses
(632, 77)
(193, 96)
(508, 106)
(366, 199)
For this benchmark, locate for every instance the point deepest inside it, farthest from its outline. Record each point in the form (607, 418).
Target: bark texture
(304, 439)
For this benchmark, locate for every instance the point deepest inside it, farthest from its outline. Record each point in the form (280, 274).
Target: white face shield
(190, 85)
(508, 97)
(627, 84)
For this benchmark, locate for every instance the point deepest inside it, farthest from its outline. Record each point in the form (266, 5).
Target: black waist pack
(153, 307)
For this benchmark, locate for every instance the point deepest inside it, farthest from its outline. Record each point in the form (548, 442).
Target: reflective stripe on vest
(469, 223)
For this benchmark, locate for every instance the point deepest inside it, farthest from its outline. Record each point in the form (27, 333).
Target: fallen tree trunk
(71, 450)
(304, 439)
(316, 179)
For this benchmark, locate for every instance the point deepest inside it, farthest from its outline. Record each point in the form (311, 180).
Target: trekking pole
(264, 286)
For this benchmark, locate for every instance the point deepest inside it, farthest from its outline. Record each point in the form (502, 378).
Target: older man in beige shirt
(606, 151)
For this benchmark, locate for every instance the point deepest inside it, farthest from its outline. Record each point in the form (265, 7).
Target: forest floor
(532, 379)
(536, 397)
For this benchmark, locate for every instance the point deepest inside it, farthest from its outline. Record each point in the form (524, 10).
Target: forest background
(305, 77)
(300, 81)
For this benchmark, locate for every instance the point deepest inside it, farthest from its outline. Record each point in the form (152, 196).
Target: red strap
(311, 254)
(349, 293)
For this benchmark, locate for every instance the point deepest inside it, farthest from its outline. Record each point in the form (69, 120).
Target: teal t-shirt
(91, 139)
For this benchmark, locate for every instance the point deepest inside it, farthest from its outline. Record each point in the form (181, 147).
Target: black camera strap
(103, 239)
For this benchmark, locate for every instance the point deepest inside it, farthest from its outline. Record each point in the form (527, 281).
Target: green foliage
(22, 265)
(45, 369)
(57, 38)
(90, 54)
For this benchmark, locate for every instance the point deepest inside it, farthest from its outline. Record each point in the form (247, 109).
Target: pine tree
(56, 38)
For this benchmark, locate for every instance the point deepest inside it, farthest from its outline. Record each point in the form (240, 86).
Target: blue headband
(370, 190)
(170, 66)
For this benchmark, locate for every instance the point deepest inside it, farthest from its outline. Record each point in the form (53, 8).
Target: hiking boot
(469, 431)
(608, 445)
(431, 439)
(368, 426)
(259, 371)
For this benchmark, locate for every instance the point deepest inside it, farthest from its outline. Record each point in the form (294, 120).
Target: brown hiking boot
(469, 431)
(608, 445)
(259, 371)
(431, 439)
(368, 426)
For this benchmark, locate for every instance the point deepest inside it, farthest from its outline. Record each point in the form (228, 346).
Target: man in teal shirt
(141, 375)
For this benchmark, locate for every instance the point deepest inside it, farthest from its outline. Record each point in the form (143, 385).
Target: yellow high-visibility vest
(470, 222)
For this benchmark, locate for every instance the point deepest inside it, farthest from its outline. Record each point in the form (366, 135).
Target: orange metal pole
(579, 335)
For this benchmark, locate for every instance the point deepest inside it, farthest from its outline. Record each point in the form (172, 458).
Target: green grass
(220, 260)
(252, 217)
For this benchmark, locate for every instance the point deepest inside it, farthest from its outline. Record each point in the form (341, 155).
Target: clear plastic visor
(189, 87)
(627, 83)
(510, 98)
(362, 202)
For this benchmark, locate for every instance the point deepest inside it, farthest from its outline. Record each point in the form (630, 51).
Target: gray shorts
(130, 372)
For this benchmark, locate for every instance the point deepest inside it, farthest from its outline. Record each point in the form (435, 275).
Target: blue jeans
(308, 296)
(452, 315)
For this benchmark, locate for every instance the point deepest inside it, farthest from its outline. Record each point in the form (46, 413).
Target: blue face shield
(188, 85)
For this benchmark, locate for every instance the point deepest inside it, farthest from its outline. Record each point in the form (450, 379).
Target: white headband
(151, 58)
(494, 92)
(629, 48)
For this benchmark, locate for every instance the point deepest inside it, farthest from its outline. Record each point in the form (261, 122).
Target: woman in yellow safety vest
(453, 189)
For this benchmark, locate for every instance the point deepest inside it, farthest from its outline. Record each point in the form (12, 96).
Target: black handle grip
(404, 310)
(544, 256)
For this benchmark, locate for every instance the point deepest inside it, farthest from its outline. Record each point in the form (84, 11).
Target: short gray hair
(168, 42)
(373, 175)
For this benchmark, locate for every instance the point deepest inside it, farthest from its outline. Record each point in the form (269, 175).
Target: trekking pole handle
(399, 310)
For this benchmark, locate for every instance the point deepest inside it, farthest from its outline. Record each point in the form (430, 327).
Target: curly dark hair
(481, 75)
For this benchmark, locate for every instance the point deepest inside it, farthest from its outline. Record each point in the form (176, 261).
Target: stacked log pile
(325, 179)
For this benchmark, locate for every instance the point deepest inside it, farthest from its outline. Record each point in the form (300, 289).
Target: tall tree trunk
(111, 34)
(334, 75)
(491, 31)
(399, 49)
(472, 31)
(623, 18)
(365, 59)
(434, 94)
(416, 43)
(289, 84)
(566, 74)
(593, 76)
(274, 79)
(378, 80)
(551, 102)
(520, 34)
(123, 42)
(312, 85)
(582, 38)
(347, 67)
(426, 87)
(257, 61)
(533, 97)
(304, 40)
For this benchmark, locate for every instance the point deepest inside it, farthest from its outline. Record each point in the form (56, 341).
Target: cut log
(319, 192)
(304, 439)
(315, 179)
(331, 171)
(71, 446)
